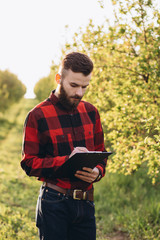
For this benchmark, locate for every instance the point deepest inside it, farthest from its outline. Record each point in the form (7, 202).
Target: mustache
(76, 97)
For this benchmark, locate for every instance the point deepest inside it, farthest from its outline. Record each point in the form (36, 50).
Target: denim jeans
(60, 217)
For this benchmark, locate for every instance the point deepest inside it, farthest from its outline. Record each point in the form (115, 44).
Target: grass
(127, 206)
(18, 193)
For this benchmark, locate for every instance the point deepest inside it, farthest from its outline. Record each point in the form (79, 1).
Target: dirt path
(118, 236)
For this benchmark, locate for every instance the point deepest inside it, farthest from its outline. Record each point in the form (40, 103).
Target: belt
(77, 194)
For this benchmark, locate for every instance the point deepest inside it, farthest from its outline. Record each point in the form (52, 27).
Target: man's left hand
(87, 174)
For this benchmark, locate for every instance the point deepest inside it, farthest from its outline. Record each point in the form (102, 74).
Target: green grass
(129, 205)
(18, 192)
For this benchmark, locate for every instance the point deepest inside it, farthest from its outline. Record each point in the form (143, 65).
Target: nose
(79, 92)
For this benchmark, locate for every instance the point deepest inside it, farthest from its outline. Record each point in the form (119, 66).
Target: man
(54, 131)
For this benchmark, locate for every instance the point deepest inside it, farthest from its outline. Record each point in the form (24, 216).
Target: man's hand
(88, 175)
(78, 150)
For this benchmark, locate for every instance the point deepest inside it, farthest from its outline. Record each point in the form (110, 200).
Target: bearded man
(54, 131)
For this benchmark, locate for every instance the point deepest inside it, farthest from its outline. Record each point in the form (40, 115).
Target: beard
(65, 100)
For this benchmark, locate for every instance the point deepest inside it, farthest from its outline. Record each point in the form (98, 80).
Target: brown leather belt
(77, 194)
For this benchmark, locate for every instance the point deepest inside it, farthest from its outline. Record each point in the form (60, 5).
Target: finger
(84, 173)
(88, 169)
(82, 149)
(84, 178)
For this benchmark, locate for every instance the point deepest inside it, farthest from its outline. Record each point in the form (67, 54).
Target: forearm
(42, 167)
(99, 146)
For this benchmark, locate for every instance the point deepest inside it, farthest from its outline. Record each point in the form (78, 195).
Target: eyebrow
(77, 85)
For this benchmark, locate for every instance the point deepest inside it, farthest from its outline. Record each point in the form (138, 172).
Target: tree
(126, 83)
(44, 86)
(11, 89)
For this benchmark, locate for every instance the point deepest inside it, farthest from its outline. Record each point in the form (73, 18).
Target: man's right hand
(78, 150)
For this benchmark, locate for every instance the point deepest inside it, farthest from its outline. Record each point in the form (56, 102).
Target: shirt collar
(54, 100)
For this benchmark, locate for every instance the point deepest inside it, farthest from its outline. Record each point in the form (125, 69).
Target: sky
(33, 32)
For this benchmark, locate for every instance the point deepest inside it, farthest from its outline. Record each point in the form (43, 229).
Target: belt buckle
(75, 194)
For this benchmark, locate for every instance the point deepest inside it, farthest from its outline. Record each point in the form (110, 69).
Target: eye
(73, 85)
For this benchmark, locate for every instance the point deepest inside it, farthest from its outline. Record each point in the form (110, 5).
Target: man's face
(72, 89)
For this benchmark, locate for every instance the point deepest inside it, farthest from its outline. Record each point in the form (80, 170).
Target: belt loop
(68, 192)
(87, 195)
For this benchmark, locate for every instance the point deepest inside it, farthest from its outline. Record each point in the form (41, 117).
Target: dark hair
(77, 62)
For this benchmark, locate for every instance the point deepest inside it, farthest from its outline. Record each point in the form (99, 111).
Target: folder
(80, 160)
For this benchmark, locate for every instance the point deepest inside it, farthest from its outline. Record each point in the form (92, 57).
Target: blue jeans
(60, 217)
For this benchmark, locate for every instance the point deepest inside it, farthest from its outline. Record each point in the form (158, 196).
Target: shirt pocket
(62, 144)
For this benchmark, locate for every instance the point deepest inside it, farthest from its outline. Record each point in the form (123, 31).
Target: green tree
(11, 89)
(126, 83)
(45, 85)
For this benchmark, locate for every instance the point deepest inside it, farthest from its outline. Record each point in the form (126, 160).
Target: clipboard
(80, 160)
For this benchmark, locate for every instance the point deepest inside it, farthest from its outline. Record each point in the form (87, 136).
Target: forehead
(77, 78)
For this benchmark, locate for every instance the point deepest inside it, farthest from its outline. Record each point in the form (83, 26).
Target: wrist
(99, 176)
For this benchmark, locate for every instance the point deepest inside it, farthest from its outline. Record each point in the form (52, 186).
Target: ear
(58, 78)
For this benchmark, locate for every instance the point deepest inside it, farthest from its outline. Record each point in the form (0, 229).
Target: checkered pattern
(51, 134)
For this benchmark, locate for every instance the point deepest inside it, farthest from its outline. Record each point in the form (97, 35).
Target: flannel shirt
(50, 135)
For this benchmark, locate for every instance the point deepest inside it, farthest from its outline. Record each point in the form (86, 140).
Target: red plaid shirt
(50, 135)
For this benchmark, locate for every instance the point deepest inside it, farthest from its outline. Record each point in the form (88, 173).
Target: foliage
(11, 89)
(125, 85)
(45, 85)
(18, 193)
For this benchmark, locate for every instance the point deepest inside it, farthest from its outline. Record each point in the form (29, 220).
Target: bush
(11, 89)
(45, 85)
